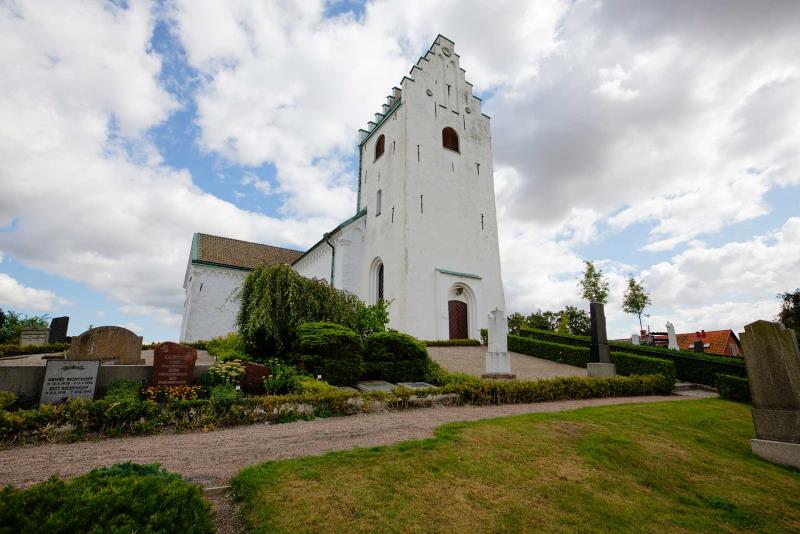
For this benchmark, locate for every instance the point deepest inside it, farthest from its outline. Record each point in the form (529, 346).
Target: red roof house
(717, 342)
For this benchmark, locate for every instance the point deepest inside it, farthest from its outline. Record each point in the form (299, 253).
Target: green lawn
(666, 467)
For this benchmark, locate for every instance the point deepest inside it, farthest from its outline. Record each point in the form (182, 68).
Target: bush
(569, 354)
(689, 366)
(484, 336)
(330, 350)
(227, 348)
(15, 349)
(7, 400)
(632, 364)
(395, 357)
(224, 373)
(276, 301)
(451, 343)
(223, 396)
(122, 498)
(123, 391)
(173, 393)
(309, 384)
(283, 378)
(733, 388)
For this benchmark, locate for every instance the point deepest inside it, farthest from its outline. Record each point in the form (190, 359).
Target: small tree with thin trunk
(635, 300)
(593, 286)
(789, 313)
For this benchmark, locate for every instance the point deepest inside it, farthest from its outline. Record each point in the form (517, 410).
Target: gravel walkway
(212, 458)
(472, 360)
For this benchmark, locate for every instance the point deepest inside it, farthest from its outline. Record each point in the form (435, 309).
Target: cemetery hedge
(15, 349)
(395, 357)
(330, 350)
(733, 388)
(689, 366)
(121, 498)
(126, 414)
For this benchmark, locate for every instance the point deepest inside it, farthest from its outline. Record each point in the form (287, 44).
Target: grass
(673, 466)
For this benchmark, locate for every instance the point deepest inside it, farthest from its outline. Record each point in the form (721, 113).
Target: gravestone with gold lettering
(173, 364)
(64, 379)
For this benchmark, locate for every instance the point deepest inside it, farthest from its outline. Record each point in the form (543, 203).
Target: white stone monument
(635, 339)
(671, 337)
(498, 360)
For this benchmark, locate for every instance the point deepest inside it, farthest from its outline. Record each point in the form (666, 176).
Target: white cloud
(262, 186)
(16, 296)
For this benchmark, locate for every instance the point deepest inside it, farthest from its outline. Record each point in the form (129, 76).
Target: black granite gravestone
(58, 330)
(598, 349)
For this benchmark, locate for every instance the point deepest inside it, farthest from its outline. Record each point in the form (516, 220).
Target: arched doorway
(459, 324)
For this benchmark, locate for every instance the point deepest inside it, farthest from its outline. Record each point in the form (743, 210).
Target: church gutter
(333, 256)
(325, 237)
(456, 273)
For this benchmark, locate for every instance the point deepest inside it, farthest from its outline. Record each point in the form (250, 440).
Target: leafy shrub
(395, 357)
(452, 343)
(283, 378)
(633, 364)
(569, 354)
(172, 393)
(276, 300)
(733, 388)
(689, 366)
(330, 350)
(484, 336)
(15, 349)
(223, 396)
(224, 373)
(7, 400)
(123, 391)
(309, 384)
(121, 498)
(227, 348)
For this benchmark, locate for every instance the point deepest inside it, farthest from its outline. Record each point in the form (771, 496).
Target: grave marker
(252, 382)
(599, 355)
(111, 344)
(58, 330)
(34, 337)
(173, 364)
(64, 379)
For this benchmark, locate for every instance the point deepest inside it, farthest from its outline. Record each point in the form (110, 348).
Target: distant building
(716, 342)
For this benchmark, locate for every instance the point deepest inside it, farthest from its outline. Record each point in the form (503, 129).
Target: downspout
(333, 255)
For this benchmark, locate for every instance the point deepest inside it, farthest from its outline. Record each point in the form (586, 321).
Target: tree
(635, 300)
(789, 314)
(578, 321)
(12, 324)
(594, 286)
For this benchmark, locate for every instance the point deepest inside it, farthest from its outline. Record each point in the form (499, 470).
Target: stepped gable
(393, 101)
(229, 252)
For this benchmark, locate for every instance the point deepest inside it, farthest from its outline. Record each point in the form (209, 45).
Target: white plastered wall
(212, 301)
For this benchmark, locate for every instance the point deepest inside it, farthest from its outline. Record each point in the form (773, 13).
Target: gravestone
(773, 373)
(64, 379)
(635, 339)
(375, 385)
(498, 360)
(110, 344)
(58, 330)
(173, 364)
(33, 337)
(599, 354)
(672, 339)
(252, 382)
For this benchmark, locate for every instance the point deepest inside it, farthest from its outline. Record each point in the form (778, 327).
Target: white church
(424, 235)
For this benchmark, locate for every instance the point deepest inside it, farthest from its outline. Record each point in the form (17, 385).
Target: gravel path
(212, 458)
(472, 360)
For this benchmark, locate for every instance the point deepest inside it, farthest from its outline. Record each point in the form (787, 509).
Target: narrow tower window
(378, 203)
(379, 146)
(380, 282)
(450, 139)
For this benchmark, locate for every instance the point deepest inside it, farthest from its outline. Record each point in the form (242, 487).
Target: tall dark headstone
(772, 359)
(58, 330)
(598, 349)
(173, 364)
(600, 365)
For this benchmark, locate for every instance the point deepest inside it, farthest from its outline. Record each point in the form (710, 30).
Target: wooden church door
(457, 311)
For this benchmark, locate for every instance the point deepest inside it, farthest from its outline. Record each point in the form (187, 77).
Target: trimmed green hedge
(569, 354)
(733, 388)
(15, 349)
(633, 364)
(122, 498)
(330, 350)
(395, 357)
(689, 366)
(451, 342)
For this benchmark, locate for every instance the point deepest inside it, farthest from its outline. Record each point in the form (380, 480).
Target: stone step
(687, 386)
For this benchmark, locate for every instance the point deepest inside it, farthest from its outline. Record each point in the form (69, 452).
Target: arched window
(378, 203)
(450, 139)
(380, 145)
(380, 282)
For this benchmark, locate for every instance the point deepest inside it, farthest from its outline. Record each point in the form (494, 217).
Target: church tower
(426, 196)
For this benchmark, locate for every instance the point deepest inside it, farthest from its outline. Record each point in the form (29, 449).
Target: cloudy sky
(659, 139)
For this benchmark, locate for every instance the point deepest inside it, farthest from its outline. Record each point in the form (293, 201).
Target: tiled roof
(716, 339)
(240, 254)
